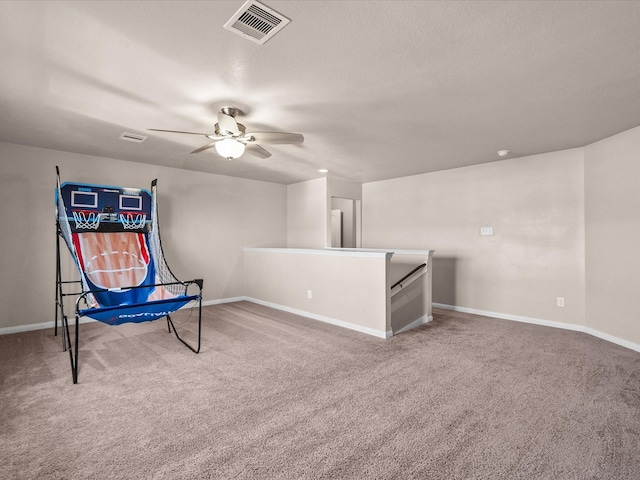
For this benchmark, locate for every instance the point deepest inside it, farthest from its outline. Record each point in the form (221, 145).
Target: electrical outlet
(486, 231)
(309, 295)
(560, 301)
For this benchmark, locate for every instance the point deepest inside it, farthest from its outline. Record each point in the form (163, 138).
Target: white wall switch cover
(487, 231)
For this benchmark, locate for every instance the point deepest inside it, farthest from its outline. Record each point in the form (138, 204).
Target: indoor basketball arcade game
(113, 236)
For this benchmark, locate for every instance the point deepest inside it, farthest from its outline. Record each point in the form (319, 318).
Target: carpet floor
(276, 396)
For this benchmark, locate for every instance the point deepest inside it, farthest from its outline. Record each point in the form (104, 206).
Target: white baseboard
(610, 338)
(416, 323)
(547, 323)
(321, 318)
(333, 321)
(45, 325)
(206, 303)
(370, 331)
(39, 326)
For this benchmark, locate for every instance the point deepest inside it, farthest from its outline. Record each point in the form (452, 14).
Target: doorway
(345, 223)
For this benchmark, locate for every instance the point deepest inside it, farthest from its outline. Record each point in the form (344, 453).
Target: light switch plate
(486, 231)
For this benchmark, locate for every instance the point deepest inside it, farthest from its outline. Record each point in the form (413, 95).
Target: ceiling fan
(230, 138)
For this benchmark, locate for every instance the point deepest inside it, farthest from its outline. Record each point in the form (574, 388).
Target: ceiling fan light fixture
(229, 148)
(230, 137)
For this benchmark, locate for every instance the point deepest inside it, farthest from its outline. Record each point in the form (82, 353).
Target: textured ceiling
(378, 89)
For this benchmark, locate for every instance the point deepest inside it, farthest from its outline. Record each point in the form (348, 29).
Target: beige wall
(535, 206)
(308, 212)
(346, 287)
(205, 221)
(612, 186)
(539, 207)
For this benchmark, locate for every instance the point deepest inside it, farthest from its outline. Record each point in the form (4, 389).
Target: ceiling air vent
(256, 22)
(133, 137)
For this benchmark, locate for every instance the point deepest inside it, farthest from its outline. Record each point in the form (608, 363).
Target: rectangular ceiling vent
(256, 22)
(133, 137)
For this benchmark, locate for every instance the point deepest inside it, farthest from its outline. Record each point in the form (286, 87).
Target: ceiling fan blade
(227, 123)
(204, 147)
(257, 150)
(177, 131)
(276, 137)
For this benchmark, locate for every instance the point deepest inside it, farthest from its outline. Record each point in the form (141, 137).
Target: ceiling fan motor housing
(230, 137)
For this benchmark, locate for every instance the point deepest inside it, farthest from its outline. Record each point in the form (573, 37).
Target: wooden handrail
(408, 275)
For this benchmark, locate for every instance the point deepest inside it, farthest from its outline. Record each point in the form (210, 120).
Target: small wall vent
(133, 137)
(256, 22)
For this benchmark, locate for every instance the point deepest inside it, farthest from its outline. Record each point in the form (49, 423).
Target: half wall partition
(380, 292)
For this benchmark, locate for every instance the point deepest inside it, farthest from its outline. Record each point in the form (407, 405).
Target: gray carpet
(276, 396)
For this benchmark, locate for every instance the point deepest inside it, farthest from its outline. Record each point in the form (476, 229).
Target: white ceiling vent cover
(256, 22)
